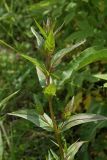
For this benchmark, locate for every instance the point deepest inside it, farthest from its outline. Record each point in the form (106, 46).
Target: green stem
(57, 134)
(56, 129)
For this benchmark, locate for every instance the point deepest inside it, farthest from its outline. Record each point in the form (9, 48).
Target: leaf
(52, 155)
(101, 76)
(60, 54)
(50, 90)
(5, 100)
(41, 29)
(73, 149)
(59, 28)
(80, 119)
(1, 146)
(43, 121)
(39, 38)
(41, 5)
(7, 45)
(50, 43)
(41, 77)
(38, 64)
(86, 57)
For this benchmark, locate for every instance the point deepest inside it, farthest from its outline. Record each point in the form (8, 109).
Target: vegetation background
(83, 19)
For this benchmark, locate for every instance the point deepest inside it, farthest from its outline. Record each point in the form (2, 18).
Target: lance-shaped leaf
(41, 29)
(43, 121)
(86, 57)
(72, 150)
(60, 54)
(39, 38)
(7, 45)
(80, 119)
(52, 155)
(36, 62)
(1, 146)
(5, 100)
(59, 28)
(101, 76)
(41, 77)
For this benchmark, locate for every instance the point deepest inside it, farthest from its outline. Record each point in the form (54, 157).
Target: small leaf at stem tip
(39, 38)
(50, 90)
(41, 29)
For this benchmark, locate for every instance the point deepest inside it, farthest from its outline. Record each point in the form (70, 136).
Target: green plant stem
(56, 129)
(57, 134)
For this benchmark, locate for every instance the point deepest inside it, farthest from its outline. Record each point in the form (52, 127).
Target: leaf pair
(45, 122)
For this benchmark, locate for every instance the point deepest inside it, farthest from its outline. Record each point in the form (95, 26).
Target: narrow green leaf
(41, 5)
(73, 149)
(54, 155)
(36, 62)
(86, 57)
(50, 43)
(60, 54)
(1, 146)
(41, 29)
(50, 90)
(39, 38)
(59, 28)
(80, 119)
(7, 45)
(5, 100)
(49, 156)
(43, 121)
(41, 77)
(101, 76)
